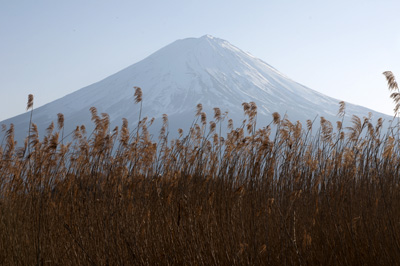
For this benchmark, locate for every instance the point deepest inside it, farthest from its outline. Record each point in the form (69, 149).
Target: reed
(281, 194)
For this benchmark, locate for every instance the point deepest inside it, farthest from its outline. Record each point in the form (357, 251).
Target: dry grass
(115, 197)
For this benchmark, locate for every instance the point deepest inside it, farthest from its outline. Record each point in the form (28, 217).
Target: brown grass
(115, 197)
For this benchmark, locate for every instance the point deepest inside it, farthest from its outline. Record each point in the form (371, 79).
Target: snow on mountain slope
(174, 79)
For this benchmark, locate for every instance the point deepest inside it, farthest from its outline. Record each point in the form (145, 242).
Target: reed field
(277, 194)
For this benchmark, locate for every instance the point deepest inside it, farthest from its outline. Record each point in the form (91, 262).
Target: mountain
(176, 78)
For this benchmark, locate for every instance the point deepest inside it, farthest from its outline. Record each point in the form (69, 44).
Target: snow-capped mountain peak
(176, 78)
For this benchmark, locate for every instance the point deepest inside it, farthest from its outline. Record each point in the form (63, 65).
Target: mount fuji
(176, 78)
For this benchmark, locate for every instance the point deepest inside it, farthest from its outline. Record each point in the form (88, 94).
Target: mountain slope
(174, 79)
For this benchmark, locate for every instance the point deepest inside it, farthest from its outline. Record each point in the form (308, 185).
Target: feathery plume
(165, 119)
(212, 126)
(217, 114)
(93, 111)
(53, 141)
(30, 102)
(309, 125)
(83, 129)
(215, 139)
(246, 107)
(253, 106)
(276, 117)
(77, 133)
(180, 132)
(138, 94)
(50, 128)
(230, 124)
(124, 122)
(339, 125)
(342, 108)
(391, 80)
(203, 118)
(151, 121)
(199, 108)
(60, 120)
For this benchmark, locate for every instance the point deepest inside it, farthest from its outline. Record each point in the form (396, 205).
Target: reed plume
(392, 85)
(138, 94)
(60, 121)
(29, 105)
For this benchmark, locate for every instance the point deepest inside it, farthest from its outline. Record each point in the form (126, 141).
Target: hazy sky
(340, 48)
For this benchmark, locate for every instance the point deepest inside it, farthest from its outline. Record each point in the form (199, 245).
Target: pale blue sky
(340, 48)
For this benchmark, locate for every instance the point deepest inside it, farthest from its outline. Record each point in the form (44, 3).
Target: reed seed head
(391, 80)
(138, 94)
(342, 107)
(60, 120)
(217, 114)
(276, 117)
(199, 109)
(203, 118)
(30, 102)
